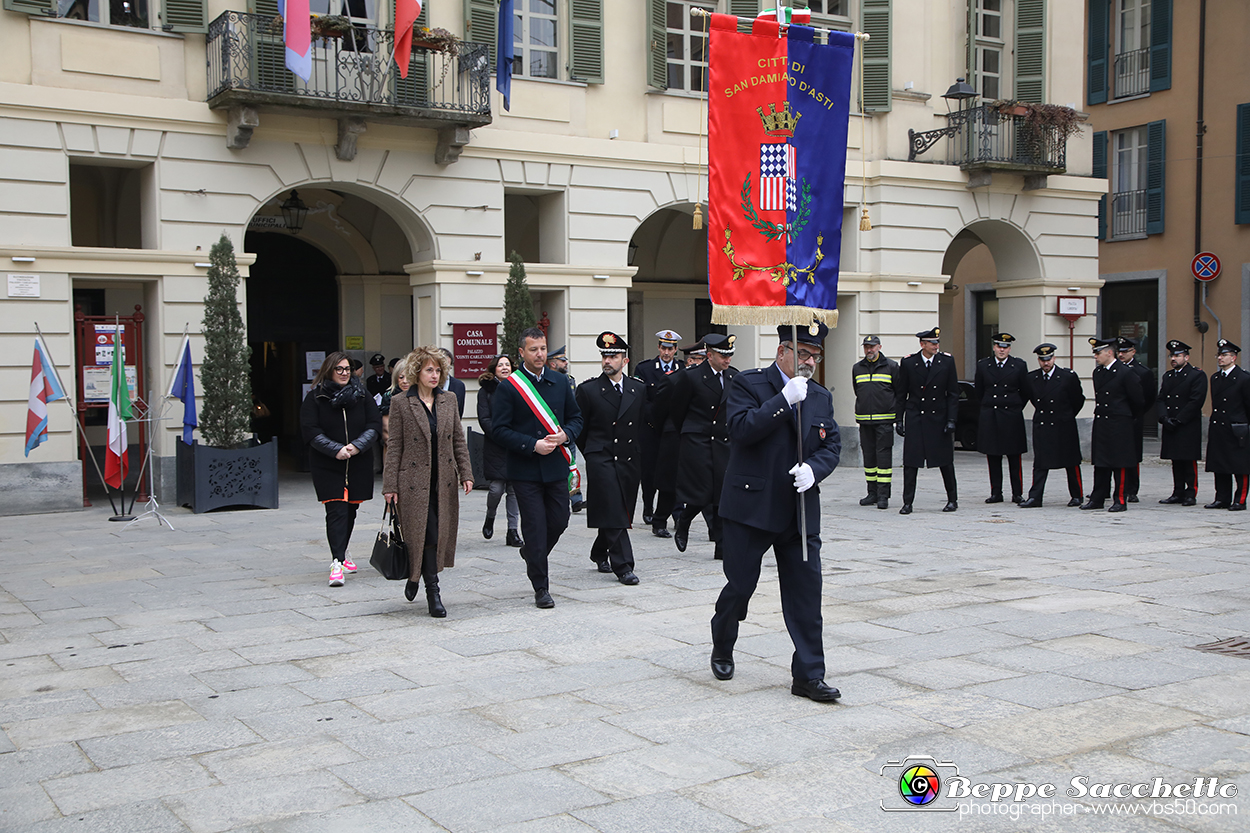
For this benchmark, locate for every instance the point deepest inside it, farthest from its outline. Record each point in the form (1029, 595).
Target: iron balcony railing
(1128, 214)
(351, 74)
(988, 139)
(1132, 73)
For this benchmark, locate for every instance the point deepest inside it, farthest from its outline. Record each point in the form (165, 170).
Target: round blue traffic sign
(1205, 266)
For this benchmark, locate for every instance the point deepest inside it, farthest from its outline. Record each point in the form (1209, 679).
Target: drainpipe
(1200, 291)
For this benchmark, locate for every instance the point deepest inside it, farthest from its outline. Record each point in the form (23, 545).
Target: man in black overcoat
(380, 381)
(1118, 399)
(1000, 428)
(928, 402)
(1128, 357)
(611, 407)
(760, 503)
(1182, 393)
(698, 412)
(1057, 398)
(1228, 434)
(537, 467)
(659, 438)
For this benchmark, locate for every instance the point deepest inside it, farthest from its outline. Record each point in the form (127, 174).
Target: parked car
(968, 417)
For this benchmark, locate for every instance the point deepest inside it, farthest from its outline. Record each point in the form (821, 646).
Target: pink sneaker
(336, 574)
(349, 566)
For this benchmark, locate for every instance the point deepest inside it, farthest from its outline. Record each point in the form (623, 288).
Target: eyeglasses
(804, 355)
(343, 368)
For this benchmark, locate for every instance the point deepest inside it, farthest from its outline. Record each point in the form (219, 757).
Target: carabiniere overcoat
(698, 411)
(928, 399)
(1118, 400)
(407, 472)
(1056, 442)
(611, 448)
(1228, 435)
(1000, 427)
(1181, 396)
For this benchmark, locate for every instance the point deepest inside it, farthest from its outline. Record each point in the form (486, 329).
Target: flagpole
(82, 432)
(859, 36)
(798, 413)
(119, 345)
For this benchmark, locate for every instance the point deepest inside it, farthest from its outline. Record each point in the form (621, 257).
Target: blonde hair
(412, 364)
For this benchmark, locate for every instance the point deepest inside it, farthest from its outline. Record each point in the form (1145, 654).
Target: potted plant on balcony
(436, 40)
(326, 26)
(230, 468)
(1064, 120)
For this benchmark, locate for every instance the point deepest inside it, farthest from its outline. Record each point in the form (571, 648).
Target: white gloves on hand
(795, 389)
(804, 477)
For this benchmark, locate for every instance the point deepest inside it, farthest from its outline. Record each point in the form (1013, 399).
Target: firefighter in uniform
(698, 412)
(1127, 355)
(611, 408)
(874, 379)
(1118, 399)
(1000, 428)
(1057, 398)
(927, 405)
(1228, 434)
(659, 440)
(1182, 393)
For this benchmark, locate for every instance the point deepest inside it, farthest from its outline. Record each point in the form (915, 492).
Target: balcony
(1128, 215)
(983, 138)
(353, 79)
(1132, 73)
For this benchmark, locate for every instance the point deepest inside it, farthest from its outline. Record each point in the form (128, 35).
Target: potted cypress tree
(229, 468)
(518, 308)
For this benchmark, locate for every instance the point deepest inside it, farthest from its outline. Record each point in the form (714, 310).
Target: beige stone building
(133, 133)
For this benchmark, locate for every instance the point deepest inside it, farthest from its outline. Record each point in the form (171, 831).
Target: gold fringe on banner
(800, 316)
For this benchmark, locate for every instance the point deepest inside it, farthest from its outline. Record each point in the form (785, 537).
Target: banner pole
(798, 413)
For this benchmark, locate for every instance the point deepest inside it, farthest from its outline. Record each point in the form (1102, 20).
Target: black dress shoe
(629, 578)
(1092, 504)
(994, 498)
(488, 529)
(1188, 502)
(1237, 507)
(681, 535)
(514, 539)
(1076, 501)
(1117, 507)
(723, 668)
(1031, 503)
(661, 532)
(816, 690)
(868, 500)
(410, 590)
(543, 599)
(883, 503)
(1017, 499)
(1216, 504)
(906, 510)
(647, 515)
(1132, 498)
(579, 506)
(951, 506)
(604, 567)
(1172, 499)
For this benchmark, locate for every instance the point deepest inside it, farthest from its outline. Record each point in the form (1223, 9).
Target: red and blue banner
(778, 108)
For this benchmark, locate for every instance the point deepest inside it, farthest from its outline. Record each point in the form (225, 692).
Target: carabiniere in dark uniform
(1000, 428)
(927, 405)
(1057, 398)
(1127, 354)
(1228, 435)
(1117, 401)
(1182, 393)
(659, 440)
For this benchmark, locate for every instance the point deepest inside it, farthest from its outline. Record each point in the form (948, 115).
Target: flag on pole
(297, 36)
(778, 111)
(406, 14)
(504, 53)
(116, 465)
(183, 387)
(45, 387)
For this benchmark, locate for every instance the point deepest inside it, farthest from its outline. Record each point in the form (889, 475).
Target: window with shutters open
(875, 21)
(1135, 206)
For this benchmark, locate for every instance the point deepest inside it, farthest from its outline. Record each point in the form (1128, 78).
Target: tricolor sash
(539, 407)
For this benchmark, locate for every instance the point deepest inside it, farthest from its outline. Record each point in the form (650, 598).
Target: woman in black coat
(494, 457)
(340, 421)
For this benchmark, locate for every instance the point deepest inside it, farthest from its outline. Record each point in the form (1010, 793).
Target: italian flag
(115, 463)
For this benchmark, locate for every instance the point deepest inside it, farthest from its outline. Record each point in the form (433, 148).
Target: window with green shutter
(657, 44)
(1031, 51)
(1156, 169)
(1160, 45)
(586, 41)
(875, 17)
(1242, 164)
(414, 91)
(1100, 172)
(1099, 45)
(481, 23)
(184, 15)
(39, 7)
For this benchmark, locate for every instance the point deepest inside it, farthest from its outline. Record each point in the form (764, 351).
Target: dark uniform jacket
(611, 451)
(651, 373)
(331, 417)
(1181, 396)
(1149, 393)
(515, 427)
(494, 457)
(660, 443)
(698, 413)
(1118, 400)
(928, 398)
(875, 385)
(1228, 446)
(1000, 427)
(378, 384)
(1056, 443)
(759, 491)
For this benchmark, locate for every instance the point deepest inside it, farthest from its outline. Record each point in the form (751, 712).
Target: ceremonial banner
(45, 387)
(778, 109)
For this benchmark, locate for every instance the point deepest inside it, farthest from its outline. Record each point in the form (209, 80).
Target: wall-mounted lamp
(17, 259)
(474, 273)
(633, 253)
(294, 212)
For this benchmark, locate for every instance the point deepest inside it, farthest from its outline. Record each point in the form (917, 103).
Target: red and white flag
(45, 387)
(116, 465)
(406, 14)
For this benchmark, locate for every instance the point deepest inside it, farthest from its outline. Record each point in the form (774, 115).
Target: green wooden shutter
(875, 15)
(657, 44)
(1160, 45)
(1100, 172)
(1242, 165)
(971, 74)
(267, 7)
(746, 8)
(1099, 29)
(586, 41)
(1031, 51)
(414, 91)
(269, 70)
(1156, 170)
(40, 7)
(184, 15)
(481, 23)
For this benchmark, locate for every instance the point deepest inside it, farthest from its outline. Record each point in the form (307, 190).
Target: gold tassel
(864, 223)
(698, 216)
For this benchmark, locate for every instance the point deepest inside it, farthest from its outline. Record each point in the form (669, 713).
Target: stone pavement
(207, 679)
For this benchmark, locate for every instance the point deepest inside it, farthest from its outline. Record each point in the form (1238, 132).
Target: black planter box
(213, 478)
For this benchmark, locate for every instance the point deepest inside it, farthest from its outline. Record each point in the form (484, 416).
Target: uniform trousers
(876, 440)
(340, 521)
(544, 517)
(1132, 480)
(665, 501)
(1185, 478)
(1224, 488)
(1076, 488)
(1102, 484)
(613, 546)
(800, 592)
(1014, 471)
(948, 480)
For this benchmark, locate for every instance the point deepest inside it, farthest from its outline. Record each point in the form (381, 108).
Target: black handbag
(390, 553)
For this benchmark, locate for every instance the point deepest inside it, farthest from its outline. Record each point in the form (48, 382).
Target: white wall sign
(23, 286)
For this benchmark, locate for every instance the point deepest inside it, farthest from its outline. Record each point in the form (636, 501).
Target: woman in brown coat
(426, 459)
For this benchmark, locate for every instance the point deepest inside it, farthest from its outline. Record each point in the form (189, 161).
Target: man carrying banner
(534, 415)
(927, 404)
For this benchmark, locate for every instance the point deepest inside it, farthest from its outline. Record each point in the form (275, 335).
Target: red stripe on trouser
(1120, 486)
(1194, 482)
(1080, 484)
(1244, 482)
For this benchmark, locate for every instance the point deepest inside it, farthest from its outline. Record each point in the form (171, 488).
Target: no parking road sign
(1205, 266)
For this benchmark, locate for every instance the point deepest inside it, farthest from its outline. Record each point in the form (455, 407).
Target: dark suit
(1228, 443)
(1113, 450)
(1182, 393)
(541, 481)
(698, 413)
(1146, 377)
(609, 441)
(760, 509)
(928, 400)
(659, 440)
(456, 386)
(1056, 442)
(1000, 427)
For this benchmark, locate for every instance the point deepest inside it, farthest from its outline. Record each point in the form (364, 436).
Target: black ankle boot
(431, 595)
(410, 590)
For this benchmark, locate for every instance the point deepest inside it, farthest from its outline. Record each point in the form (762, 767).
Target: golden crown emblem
(779, 123)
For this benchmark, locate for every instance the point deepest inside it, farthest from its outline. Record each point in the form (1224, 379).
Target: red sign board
(1205, 266)
(473, 346)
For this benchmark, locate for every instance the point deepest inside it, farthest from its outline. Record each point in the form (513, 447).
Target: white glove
(795, 389)
(804, 477)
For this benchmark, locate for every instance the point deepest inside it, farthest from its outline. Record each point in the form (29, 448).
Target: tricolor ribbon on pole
(116, 462)
(778, 110)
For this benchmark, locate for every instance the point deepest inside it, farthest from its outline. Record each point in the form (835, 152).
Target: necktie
(928, 363)
(721, 380)
(617, 385)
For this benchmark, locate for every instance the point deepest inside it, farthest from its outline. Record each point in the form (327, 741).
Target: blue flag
(504, 53)
(183, 387)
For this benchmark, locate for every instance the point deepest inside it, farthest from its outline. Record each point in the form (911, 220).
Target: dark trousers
(544, 517)
(1185, 478)
(664, 503)
(948, 479)
(1102, 484)
(800, 592)
(1132, 479)
(1014, 472)
(649, 440)
(428, 566)
(710, 516)
(613, 546)
(1224, 488)
(340, 521)
(876, 441)
(1076, 489)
